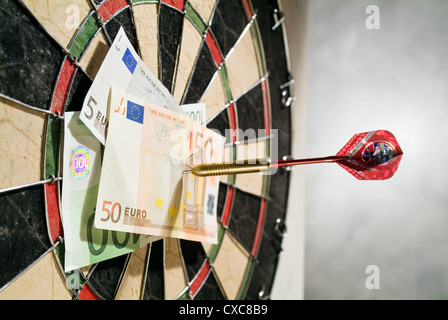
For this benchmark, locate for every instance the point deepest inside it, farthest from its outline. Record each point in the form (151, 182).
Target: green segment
(258, 49)
(185, 294)
(52, 147)
(84, 37)
(215, 248)
(194, 17)
(225, 81)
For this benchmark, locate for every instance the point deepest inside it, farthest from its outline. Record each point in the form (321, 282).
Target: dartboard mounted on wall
(230, 54)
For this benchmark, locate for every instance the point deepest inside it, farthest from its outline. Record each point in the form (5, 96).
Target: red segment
(232, 120)
(259, 231)
(178, 4)
(266, 111)
(214, 50)
(227, 206)
(247, 9)
(53, 215)
(200, 278)
(110, 8)
(87, 294)
(62, 85)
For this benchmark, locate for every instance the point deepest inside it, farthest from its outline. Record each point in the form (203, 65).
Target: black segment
(228, 23)
(250, 113)
(221, 123)
(201, 76)
(123, 19)
(106, 276)
(243, 224)
(279, 188)
(29, 58)
(210, 289)
(78, 90)
(193, 255)
(221, 199)
(171, 23)
(23, 230)
(155, 283)
(264, 271)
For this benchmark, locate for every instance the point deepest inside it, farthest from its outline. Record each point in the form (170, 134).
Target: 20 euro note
(84, 244)
(143, 187)
(124, 69)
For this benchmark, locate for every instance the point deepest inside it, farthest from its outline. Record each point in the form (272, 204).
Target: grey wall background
(394, 78)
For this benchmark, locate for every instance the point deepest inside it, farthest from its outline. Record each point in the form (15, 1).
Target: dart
(373, 155)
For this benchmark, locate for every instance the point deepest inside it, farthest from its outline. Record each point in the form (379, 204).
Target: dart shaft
(257, 165)
(284, 163)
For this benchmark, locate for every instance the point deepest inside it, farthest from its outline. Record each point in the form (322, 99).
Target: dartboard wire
(28, 267)
(122, 275)
(30, 107)
(32, 184)
(186, 290)
(229, 103)
(145, 271)
(99, 19)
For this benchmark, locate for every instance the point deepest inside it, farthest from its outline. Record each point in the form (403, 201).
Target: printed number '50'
(113, 213)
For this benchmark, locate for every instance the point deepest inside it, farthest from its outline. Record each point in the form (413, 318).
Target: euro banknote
(143, 187)
(122, 68)
(85, 245)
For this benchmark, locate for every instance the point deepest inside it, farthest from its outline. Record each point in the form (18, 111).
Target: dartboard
(229, 54)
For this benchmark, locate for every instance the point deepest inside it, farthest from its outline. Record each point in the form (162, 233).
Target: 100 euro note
(84, 244)
(122, 68)
(143, 187)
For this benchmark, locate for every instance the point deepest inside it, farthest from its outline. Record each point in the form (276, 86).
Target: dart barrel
(238, 167)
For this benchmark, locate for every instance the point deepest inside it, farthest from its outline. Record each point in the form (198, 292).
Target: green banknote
(84, 244)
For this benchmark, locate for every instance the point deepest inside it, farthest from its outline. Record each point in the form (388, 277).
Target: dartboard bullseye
(229, 55)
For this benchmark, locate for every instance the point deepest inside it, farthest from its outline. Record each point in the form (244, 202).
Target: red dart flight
(373, 155)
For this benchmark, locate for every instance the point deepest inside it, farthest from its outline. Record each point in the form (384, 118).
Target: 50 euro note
(122, 68)
(84, 244)
(143, 187)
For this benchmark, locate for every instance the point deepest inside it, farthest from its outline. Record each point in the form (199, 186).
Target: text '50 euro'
(143, 187)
